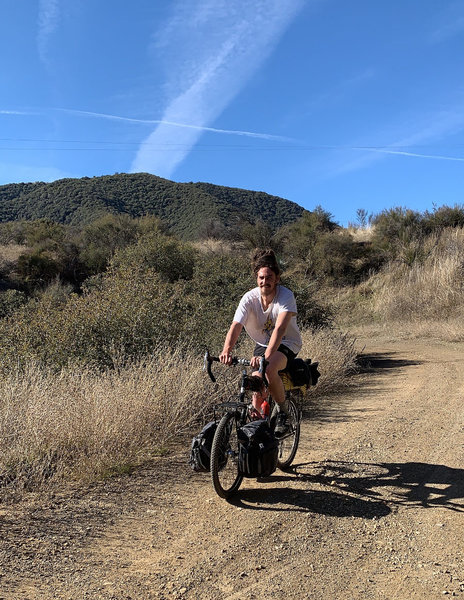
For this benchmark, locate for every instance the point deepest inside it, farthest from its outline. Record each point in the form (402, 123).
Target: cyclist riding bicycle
(268, 313)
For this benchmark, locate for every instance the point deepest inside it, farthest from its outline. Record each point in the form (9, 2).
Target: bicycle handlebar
(208, 360)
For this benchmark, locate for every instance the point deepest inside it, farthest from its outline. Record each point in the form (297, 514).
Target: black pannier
(258, 449)
(200, 452)
(303, 372)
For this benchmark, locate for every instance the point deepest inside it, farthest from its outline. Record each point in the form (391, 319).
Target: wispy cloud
(428, 131)
(212, 50)
(49, 11)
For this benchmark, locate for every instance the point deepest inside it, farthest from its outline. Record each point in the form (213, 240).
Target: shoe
(282, 426)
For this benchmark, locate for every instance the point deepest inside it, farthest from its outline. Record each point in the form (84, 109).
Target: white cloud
(49, 12)
(210, 49)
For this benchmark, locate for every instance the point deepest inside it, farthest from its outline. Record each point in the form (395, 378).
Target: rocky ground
(373, 509)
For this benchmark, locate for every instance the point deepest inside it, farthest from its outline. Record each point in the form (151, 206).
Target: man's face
(267, 281)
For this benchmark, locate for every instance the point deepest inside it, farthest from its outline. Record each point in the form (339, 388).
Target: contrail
(86, 113)
(253, 134)
(21, 113)
(211, 50)
(413, 154)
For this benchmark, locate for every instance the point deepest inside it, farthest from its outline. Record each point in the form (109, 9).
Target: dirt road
(373, 509)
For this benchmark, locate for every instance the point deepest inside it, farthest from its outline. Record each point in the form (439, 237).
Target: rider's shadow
(413, 483)
(367, 490)
(309, 501)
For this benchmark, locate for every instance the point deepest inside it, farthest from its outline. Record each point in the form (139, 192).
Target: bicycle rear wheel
(288, 444)
(224, 457)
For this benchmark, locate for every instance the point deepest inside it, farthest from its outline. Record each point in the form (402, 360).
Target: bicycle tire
(288, 445)
(224, 458)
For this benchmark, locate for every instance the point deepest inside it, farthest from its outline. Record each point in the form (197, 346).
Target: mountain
(185, 207)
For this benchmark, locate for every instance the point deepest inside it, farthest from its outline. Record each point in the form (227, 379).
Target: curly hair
(265, 258)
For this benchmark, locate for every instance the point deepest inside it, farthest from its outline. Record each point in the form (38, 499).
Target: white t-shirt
(259, 323)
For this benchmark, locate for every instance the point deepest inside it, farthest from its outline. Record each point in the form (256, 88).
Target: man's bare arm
(280, 328)
(230, 341)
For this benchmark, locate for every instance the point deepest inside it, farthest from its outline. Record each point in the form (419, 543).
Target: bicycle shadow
(377, 362)
(367, 490)
(309, 501)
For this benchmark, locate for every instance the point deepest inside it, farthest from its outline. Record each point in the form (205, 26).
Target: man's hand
(255, 362)
(231, 339)
(225, 357)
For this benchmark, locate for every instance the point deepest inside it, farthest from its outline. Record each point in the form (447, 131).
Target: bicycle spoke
(288, 444)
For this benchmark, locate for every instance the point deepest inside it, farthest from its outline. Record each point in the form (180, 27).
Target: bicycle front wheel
(288, 444)
(224, 457)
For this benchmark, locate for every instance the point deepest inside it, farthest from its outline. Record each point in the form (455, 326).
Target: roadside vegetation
(104, 325)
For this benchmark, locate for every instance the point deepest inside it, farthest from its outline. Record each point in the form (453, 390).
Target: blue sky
(345, 104)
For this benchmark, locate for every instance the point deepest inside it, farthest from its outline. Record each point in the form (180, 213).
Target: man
(268, 313)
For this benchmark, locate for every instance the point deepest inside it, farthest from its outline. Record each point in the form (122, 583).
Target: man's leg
(277, 362)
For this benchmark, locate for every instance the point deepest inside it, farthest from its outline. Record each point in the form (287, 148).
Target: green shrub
(37, 268)
(443, 217)
(396, 229)
(299, 238)
(167, 256)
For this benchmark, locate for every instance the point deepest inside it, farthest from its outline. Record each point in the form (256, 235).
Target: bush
(310, 312)
(299, 238)
(37, 268)
(130, 311)
(170, 258)
(101, 238)
(443, 217)
(10, 301)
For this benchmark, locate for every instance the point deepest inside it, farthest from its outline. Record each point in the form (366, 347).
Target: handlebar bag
(257, 449)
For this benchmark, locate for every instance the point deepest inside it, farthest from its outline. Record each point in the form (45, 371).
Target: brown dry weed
(85, 424)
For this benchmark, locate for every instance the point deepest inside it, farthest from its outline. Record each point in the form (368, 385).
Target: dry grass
(214, 246)
(430, 289)
(84, 424)
(9, 255)
(335, 351)
(423, 299)
(444, 330)
(361, 234)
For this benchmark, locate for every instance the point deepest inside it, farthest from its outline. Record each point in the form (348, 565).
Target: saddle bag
(258, 449)
(200, 451)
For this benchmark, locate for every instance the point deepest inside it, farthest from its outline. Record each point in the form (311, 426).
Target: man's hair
(265, 258)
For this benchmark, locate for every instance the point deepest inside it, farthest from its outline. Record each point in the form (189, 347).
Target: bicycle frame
(247, 382)
(225, 474)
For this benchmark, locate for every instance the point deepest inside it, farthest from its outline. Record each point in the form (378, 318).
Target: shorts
(260, 351)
